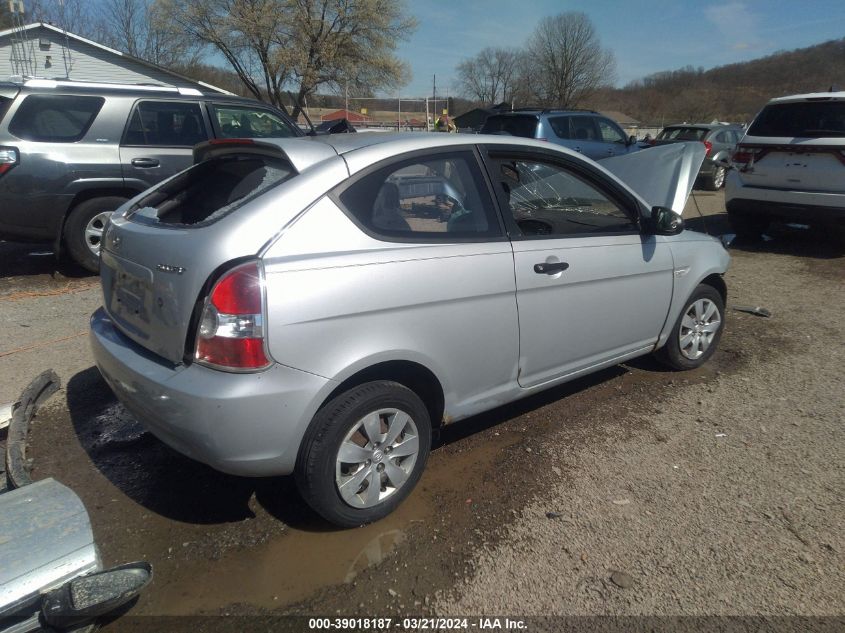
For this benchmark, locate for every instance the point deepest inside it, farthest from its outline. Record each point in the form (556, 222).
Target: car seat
(387, 209)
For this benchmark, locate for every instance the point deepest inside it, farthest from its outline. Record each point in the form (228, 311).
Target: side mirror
(664, 221)
(632, 140)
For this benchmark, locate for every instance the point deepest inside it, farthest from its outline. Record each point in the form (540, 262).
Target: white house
(47, 52)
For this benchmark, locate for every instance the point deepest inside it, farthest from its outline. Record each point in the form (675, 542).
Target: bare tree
(139, 28)
(335, 43)
(489, 76)
(301, 44)
(568, 60)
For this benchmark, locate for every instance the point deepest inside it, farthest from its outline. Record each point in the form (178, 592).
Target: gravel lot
(633, 491)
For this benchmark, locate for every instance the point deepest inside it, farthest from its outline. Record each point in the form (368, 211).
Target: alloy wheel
(94, 231)
(698, 327)
(376, 457)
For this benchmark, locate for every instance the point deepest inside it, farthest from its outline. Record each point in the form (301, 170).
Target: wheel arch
(716, 281)
(89, 193)
(410, 374)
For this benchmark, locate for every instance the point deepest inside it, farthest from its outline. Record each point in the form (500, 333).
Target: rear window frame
(215, 216)
(63, 140)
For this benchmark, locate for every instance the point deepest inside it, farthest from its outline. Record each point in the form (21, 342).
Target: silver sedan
(319, 306)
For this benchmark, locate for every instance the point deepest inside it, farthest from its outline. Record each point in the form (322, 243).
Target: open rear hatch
(161, 254)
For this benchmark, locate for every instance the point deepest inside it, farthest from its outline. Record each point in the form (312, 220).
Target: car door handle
(547, 268)
(145, 163)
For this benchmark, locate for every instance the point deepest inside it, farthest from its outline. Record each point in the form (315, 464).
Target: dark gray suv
(72, 152)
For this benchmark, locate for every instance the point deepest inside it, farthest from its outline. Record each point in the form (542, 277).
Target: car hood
(662, 176)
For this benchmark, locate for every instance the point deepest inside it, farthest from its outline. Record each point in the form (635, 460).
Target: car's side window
(549, 200)
(165, 124)
(55, 118)
(724, 137)
(609, 132)
(560, 126)
(584, 129)
(248, 122)
(439, 196)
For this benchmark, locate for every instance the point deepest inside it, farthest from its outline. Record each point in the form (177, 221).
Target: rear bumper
(243, 424)
(780, 204)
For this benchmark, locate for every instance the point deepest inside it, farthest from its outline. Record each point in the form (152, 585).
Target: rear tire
(376, 434)
(697, 332)
(715, 180)
(84, 229)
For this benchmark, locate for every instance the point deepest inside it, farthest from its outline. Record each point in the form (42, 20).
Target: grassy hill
(735, 92)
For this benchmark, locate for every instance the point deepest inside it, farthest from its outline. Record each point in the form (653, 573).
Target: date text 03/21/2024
(416, 624)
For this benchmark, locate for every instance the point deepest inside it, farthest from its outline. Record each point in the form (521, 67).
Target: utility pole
(434, 97)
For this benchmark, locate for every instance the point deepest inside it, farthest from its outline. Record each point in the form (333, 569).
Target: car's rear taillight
(231, 331)
(746, 155)
(8, 159)
(709, 146)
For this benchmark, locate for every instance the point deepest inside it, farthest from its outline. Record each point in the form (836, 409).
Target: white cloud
(737, 25)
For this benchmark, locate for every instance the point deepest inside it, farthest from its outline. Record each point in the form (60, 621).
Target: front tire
(697, 332)
(84, 229)
(363, 453)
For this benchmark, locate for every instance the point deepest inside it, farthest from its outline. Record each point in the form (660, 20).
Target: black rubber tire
(74, 233)
(709, 181)
(748, 226)
(315, 466)
(670, 353)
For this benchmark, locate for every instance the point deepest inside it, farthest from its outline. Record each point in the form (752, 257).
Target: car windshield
(802, 119)
(683, 134)
(525, 125)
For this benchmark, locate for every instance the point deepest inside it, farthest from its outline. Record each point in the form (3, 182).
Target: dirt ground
(635, 491)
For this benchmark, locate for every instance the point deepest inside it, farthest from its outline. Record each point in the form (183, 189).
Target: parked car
(322, 306)
(719, 140)
(584, 131)
(72, 152)
(790, 165)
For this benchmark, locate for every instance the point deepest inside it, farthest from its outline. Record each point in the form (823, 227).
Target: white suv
(790, 165)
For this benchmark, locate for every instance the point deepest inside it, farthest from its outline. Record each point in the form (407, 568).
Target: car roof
(156, 91)
(811, 96)
(540, 111)
(365, 148)
(709, 126)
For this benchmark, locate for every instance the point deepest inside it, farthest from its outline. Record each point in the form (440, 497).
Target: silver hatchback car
(319, 307)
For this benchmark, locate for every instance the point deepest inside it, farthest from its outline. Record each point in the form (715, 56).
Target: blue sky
(646, 36)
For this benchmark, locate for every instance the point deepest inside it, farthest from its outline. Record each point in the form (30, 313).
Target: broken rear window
(211, 189)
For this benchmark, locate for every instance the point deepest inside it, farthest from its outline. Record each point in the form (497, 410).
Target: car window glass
(735, 136)
(803, 119)
(609, 132)
(722, 137)
(584, 129)
(247, 122)
(165, 124)
(551, 201)
(435, 197)
(682, 134)
(55, 118)
(515, 125)
(5, 102)
(560, 126)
